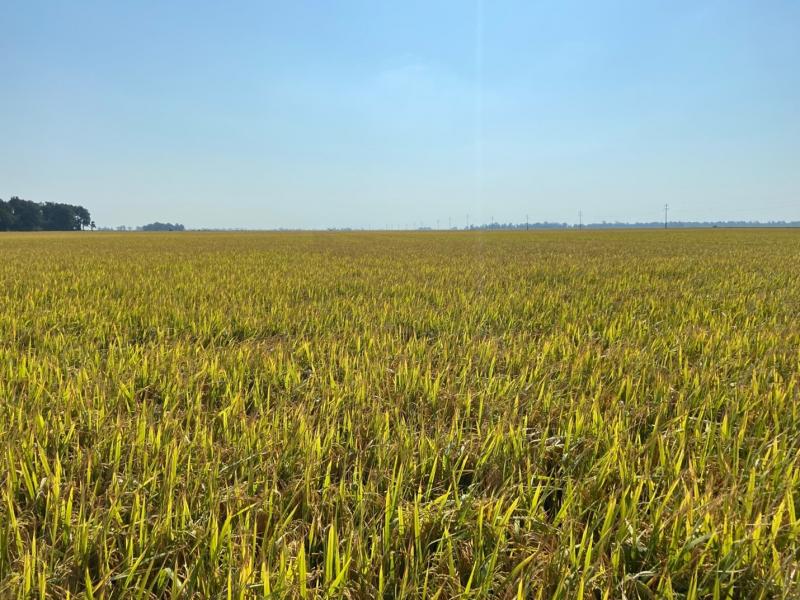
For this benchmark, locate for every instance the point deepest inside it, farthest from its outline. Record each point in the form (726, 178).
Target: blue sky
(367, 114)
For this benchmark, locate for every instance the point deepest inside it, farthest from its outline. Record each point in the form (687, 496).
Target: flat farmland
(575, 414)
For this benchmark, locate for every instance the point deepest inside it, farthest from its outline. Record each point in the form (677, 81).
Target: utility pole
(526, 222)
(467, 227)
(580, 220)
(666, 211)
(491, 226)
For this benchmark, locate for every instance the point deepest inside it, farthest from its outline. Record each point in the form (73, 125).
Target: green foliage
(157, 226)
(23, 215)
(482, 415)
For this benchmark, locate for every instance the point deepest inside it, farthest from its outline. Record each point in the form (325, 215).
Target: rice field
(400, 415)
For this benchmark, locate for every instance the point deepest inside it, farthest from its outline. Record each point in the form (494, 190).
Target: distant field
(383, 415)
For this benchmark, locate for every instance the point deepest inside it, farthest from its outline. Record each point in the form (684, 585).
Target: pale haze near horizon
(372, 114)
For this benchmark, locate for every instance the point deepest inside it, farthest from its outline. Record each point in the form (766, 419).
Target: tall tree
(83, 217)
(6, 217)
(27, 214)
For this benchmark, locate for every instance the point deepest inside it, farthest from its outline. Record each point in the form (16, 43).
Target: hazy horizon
(368, 115)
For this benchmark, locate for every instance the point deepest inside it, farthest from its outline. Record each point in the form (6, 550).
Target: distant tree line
(17, 214)
(162, 227)
(157, 226)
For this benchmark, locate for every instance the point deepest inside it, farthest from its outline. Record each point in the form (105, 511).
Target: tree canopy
(17, 214)
(157, 226)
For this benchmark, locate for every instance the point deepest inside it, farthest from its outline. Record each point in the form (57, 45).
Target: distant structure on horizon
(157, 226)
(639, 225)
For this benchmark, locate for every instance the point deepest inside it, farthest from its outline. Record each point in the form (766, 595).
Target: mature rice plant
(400, 415)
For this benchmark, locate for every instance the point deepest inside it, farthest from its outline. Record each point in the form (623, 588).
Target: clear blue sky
(317, 114)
